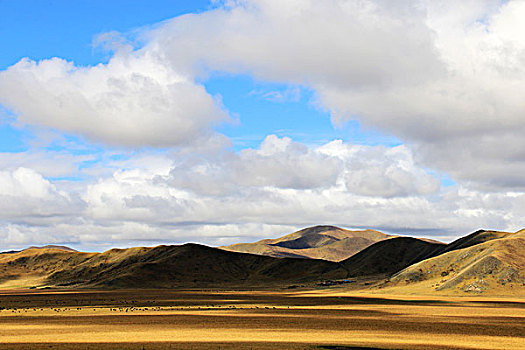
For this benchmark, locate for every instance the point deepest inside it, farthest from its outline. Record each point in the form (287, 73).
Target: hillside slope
(318, 242)
(480, 262)
(390, 256)
(33, 265)
(480, 236)
(496, 264)
(159, 267)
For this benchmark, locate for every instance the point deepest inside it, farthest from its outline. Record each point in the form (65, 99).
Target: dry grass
(160, 319)
(493, 267)
(319, 242)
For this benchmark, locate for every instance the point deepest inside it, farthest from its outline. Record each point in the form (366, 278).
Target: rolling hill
(187, 265)
(33, 265)
(319, 242)
(478, 263)
(474, 238)
(390, 256)
(484, 260)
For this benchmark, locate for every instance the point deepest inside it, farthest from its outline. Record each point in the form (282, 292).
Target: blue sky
(44, 29)
(283, 115)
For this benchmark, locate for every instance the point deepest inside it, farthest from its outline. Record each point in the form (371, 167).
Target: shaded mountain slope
(492, 264)
(318, 242)
(390, 256)
(161, 267)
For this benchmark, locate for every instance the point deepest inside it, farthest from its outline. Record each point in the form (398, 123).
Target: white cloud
(24, 182)
(136, 99)
(48, 164)
(381, 171)
(290, 94)
(334, 43)
(25, 196)
(440, 76)
(142, 204)
(279, 162)
(445, 78)
(164, 209)
(280, 183)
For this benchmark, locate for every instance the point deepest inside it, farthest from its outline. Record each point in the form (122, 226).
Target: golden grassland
(333, 318)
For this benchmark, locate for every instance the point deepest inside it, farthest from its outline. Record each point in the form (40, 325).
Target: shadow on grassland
(341, 347)
(206, 346)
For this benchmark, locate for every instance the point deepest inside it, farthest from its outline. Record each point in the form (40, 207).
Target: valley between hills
(322, 287)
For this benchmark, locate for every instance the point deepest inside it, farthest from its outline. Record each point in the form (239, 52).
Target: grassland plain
(212, 319)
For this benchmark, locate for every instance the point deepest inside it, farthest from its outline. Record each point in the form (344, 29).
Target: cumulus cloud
(445, 78)
(363, 43)
(143, 203)
(158, 207)
(136, 99)
(24, 182)
(440, 76)
(381, 171)
(25, 196)
(279, 162)
(284, 164)
(278, 183)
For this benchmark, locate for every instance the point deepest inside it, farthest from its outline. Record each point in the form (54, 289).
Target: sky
(126, 123)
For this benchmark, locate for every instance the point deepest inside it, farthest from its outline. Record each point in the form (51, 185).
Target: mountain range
(481, 262)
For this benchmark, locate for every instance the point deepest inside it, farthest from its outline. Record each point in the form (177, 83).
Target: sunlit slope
(495, 265)
(33, 265)
(474, 238)
(318, 242)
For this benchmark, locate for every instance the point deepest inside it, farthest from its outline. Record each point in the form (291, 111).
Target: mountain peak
(51, 246)
(318, 242)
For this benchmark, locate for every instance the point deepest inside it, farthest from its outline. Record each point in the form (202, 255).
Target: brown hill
(474, 238)
(51, 246)
(393, 255)
(482, 261)
(318, 242)
(32, 266)
(497, 263)
(188, 265)
(390, 256)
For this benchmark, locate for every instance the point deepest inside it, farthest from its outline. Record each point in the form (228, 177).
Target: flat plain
(283, 319)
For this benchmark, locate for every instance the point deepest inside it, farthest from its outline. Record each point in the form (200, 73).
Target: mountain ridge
(475, 263)
(165, 266)
(317, 242)
(481, 261)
